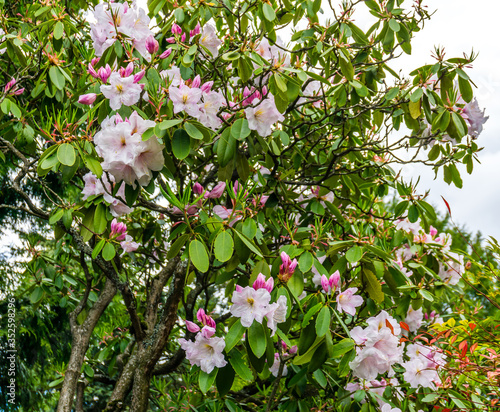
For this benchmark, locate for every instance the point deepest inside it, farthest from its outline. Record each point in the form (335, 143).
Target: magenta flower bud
(91, 71)
(195, 31)
(191, 210)
(183, 37)
(246, 92)
(334, 280)
(165, 54)
(433, 231)
(239, 289)
(152, 45)
(176, 29)
(192, 327)
(287, 268)
(263, 199)
(87, 98)
(196, 82)
(426, 316)
(264, 90)
(19, 91)
(217, 191)
(293, 350)
(170, 39)
(269, 284)
(118, 229)
(324, 284)
(200, 315)
(94, 61)
(10, 85)
(127, 71)
(260, 282)
(206, 87)
(198, 189)
(139, 76)
(103, 73)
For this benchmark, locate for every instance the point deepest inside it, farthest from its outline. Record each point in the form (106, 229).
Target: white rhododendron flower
(250, 304)
(263, 116)
(205, 352)
(122, 90)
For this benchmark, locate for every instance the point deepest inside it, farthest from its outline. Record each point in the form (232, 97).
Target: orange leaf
(404, 326)
(472, 326)
(473, 347)
(453, 339)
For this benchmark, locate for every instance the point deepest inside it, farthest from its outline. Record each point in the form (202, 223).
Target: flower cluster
(113, 20)
(119, 231)
(125, 155)
(254, 304)
(96, 187)
(274, 369)
(347, 301)
(206, 350)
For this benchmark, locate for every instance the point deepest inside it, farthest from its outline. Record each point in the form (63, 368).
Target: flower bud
(198, 189)
(287, 268)
(170, 39)
(325, 284)
(192, 327)
(183, 37)
(217, 191)
(206, 87)
(103, 73)
(195, 31)
(152, 45)
(334, 280)
(176, 29)
(87, 98)
(18, 92)
(127, 71)
(139, 76)
(10, 85)
(165, 54)
(91, 71)
(260, 282)
(196, 82)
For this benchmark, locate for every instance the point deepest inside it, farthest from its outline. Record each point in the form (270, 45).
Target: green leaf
(56, 216)
(310, 313)
(198, 255)
(57, 77)
(240, 130)
(167, 124)
(181, 144)
(58, 30)
(306, 357)
(66, 154)
(394, 25)
(36, 295)
(206, 380)
(193, 131)
(323, 321)
(226, 147)
(240, 367)
(373, 286)
(245, 69)
(234, 335)
(177, 245)
(100, 222)
(98, 248)
(426, 295)
(257, 339)
(416, 95)
(225, 379)
(346, 67)
(306, 262)
(249, 228)
(344, 346)
(223, 246)
(268, 11)
(108, 252)
(354, 254)
(465, 89)
(248, 243)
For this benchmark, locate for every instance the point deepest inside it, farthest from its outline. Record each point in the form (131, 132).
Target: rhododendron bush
(204, 191)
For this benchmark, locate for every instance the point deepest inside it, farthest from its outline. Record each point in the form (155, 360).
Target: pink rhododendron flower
(418, 374)
(474, 117)
(369, 362)
(185, 99)
(347, 301)
(128, 245)
(205, 352)
(451, 272)
(287, 267)
(210, 40)
(87, 98)
(332, 283)
(263, 116)
(274, 369)
(217, 191)
(389, 408)
(122, 90)
(192, 327)
(261, 282)
(250, 304)
(94, 187)
(276, 313)
(414, 319)
(208, 109)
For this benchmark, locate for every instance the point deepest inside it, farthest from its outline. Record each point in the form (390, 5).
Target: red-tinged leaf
(453, 339)
(464, 347)
(447, 205)
(473, 347)
(432, 341)
(462, 344)
(404, 326)
(472, 326)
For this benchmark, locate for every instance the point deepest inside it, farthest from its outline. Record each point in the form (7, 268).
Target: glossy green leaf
(257, 339)
(181, 144)
(66, 154)
(223, 246)
(206, 380)
(198, 255)
(233, 337)
(323, 321)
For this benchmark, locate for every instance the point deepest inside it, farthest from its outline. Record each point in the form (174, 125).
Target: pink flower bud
(19, 91)
(334, 280)
(170, 39)
(118, 118)
(91, 71)
(103, 73)
(239, 289)
(183, 37)
(195, 31)
(206, 87)
(260, 282)
(293, 350)
(152, 45)
(287, 268)
(200, 315)
(192, 327)
(217, 191)
(118, 229)
(165, 54)
(198, 189)
(196, 82)
(433, 231)
(10, 85)
(269, 284)
(94, 61)
(324, 284)
(87, 98)
(127, 71)
(191, 210)
(139, 76)
(176, 29)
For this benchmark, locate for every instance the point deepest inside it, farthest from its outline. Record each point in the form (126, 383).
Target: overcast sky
(460, 26)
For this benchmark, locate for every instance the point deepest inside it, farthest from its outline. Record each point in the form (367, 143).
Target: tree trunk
(80, 342)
